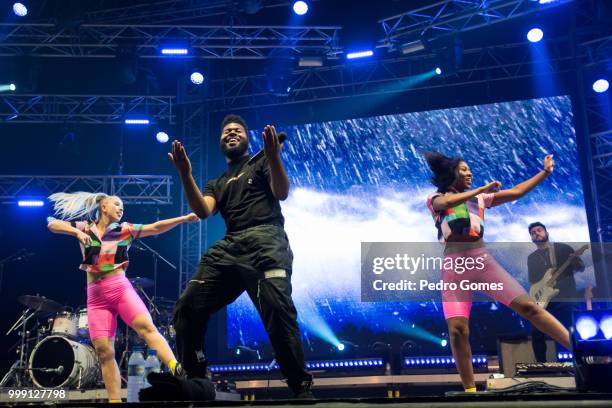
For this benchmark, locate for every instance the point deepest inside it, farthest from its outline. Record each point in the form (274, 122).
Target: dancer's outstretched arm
(520, 190)
(203, 206)
(161, 226)
(441, 203)
(65, 227)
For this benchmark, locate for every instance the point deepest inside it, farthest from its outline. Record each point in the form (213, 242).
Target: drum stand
(19, 366)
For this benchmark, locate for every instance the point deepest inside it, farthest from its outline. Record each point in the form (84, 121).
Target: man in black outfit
(254, 255)
(552, 255)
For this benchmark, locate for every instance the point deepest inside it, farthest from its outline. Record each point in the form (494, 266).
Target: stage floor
(552, 400)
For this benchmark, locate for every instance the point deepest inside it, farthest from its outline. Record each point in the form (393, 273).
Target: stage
(403, 200)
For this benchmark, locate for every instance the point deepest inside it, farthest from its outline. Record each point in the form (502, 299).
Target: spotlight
(601, 85)
(9, 87)
(197, 78)
(136, 121)
(606, 326)
(175, 51)
(586, 326)
(443, 342)
(30, 203)
(300, 7)
(340, 347)
(412, 47)
(359, 54)
(162, 137)
(535, 35)
(20, 10)
(592, 350)
(438, 71)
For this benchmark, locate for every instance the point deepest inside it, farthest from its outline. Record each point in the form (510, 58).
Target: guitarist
(551, 255)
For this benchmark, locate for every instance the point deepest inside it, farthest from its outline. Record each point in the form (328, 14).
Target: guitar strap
(552, 255)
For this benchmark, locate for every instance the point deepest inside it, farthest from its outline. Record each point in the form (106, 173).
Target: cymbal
(142, 282)
(40, 303)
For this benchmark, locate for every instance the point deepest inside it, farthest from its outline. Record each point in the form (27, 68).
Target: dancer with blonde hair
(93, 218)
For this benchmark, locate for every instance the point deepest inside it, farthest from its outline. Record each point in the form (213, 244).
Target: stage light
(20, 9)
(359, 54)
(197, 78)
(412, 47)
(162, 137)
(175, 51)
(310, 62)
(601, 85)
(586, 326)
(438, 71)
(300, 7)
(9, 87)
(592, 350)
(444, 342)
(340, 347)
(136, 121)
(535, 35)
(606, 326)
(30, 203)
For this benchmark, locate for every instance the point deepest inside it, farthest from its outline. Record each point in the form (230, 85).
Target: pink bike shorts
(488, 276)
(108, 297)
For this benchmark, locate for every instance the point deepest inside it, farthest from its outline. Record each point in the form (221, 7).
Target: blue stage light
(300, 7)
(30, 203)
(438, 71)
(535, 35)
(586, 326)
(340, 347)
(606, 326)
(359, 54)
(162, 137)
(20, 10)
(174, 51)
(197, 78)
(136, 121)
(443, 342)
(601, 85)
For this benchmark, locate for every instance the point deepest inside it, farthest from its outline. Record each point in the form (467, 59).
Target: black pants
(563, 312)
(232, 265)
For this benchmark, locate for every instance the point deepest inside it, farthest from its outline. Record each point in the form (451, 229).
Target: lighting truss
(204, 41)
(376, 77)
(454, 16)
(133, 189)
(92, 109)
(167, 11)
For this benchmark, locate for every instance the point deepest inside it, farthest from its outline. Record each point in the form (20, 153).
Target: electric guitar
(544, 290)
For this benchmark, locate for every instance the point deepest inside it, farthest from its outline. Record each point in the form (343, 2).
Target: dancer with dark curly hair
(458, 212)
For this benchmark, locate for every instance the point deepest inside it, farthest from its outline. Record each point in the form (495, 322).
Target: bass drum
(58, 362)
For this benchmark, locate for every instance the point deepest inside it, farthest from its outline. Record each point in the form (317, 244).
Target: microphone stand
(156, 255)
(11, 258)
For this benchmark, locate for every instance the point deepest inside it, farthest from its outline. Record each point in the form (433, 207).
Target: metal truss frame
(168, 11)
(454, 16)
(133, 189)
(145, 40)
(386, 76)
(86, 109)
(195, 123)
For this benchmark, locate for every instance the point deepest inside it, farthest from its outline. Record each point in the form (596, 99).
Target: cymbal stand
(19, 366)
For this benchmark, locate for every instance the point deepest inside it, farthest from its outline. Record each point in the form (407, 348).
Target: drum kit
(63, 356)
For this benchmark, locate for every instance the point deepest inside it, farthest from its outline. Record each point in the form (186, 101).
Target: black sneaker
(302, 390)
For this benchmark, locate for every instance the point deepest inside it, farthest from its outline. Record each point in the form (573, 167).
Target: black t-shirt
(539, 261)
(244, 197)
